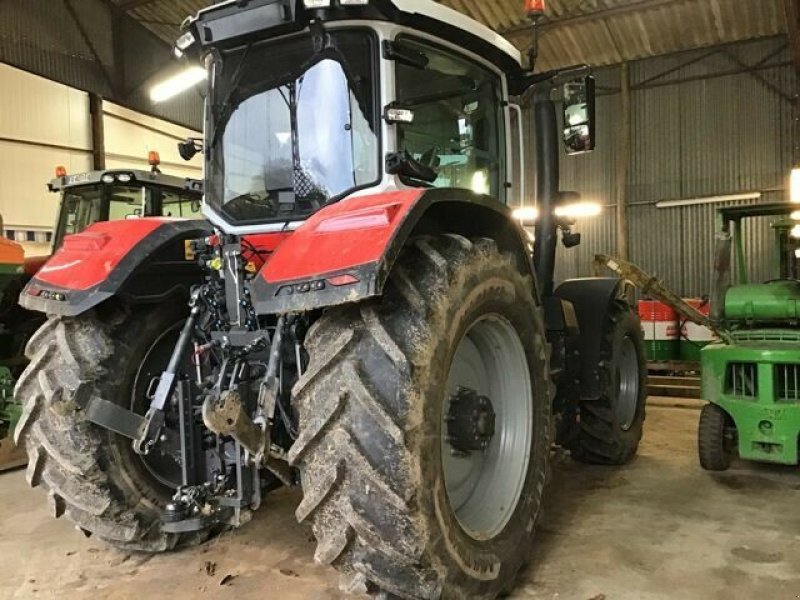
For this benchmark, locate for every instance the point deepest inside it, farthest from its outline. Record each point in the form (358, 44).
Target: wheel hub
(470, 421)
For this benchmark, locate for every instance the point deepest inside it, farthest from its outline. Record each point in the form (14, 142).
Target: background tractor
(84, 199)
(362, 317)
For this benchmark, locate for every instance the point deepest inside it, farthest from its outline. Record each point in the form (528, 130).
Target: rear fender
(345, 252)
(592, 298)
(139, 260)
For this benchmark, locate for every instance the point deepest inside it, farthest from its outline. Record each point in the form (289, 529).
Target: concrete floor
(659, 528)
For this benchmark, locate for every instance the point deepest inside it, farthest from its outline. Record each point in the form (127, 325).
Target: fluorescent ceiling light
(794, 186)
(578, 209)
(176, 84)
(708, 200)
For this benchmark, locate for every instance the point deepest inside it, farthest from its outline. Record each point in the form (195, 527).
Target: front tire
(610, 428)
(374, 406)
(714, 445)
(92, 475)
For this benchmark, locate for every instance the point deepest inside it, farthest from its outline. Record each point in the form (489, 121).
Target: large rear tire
(92, 475)
(376, 409)
(610, 428)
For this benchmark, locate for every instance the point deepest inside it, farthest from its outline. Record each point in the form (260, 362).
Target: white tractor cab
(108, 195)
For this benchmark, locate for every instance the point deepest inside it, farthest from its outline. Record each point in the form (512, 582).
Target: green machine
(11, 269)
(751, 378)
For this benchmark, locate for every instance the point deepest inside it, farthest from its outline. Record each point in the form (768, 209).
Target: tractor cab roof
(772, 209)
(131, 177)
(236, 22)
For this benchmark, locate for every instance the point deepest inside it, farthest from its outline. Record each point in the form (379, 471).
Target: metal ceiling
(597, 32)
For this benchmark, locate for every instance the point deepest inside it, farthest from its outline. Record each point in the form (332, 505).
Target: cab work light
(182, 43)
(393, 114)
(578, 209)
(317, 3)
(353, 2)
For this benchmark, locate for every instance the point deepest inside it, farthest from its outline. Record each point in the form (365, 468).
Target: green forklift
(751, 373)
(751, 378)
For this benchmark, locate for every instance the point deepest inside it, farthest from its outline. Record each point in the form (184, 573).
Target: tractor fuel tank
(771, 301)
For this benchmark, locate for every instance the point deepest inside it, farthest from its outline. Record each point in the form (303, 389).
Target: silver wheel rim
(628, 380)
(484, 487)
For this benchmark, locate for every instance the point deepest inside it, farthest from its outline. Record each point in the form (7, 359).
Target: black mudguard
(591, 298)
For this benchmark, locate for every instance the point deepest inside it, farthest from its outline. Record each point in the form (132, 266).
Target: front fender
(138, 259)
(345, 251)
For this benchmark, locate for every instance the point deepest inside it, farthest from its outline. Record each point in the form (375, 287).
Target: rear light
(46, 294)
(345, 279)
(61, 171)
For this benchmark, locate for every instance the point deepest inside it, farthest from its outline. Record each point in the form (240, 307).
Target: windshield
(87, 204)
(292, 129)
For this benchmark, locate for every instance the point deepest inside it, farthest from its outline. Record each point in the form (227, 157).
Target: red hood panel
(86, 258)
(349, 233)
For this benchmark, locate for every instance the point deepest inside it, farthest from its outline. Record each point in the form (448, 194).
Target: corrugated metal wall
(700, 131)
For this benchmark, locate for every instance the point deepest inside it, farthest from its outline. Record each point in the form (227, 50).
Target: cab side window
(180, 205)
(458, 127)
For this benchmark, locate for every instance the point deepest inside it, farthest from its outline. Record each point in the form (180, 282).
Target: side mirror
(188, 148)
(579, 115)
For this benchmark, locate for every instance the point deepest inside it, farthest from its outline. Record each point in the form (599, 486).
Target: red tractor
(362, 317)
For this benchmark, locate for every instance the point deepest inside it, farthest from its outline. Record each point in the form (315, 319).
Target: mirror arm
(405, 165)
(520, 84)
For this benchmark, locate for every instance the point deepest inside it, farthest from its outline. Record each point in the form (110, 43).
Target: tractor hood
(774, 301)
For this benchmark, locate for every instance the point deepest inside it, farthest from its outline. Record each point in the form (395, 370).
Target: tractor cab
(311, 102)
(107, 195)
